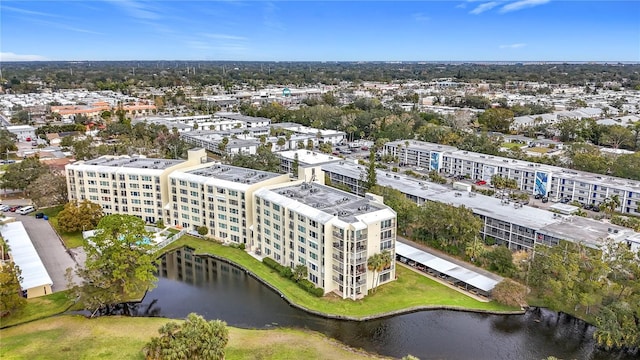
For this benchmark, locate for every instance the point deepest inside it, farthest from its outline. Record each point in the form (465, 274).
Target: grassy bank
(408, 291)
(75, 337)
(39, 308)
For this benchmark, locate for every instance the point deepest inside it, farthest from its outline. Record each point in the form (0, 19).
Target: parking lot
(50, 248)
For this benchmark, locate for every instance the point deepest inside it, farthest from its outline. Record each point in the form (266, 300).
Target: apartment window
(222, 217)
(145, 178)
(302, 229)
(222, 208)
(301, 249)
(301, 218)
(182, 183)
(313, 245)
(234, 228)
(193, 185)
(132, 177)
(184, 200)
(233, 193)
(314, 256)
(220, 191)
(147, 186)
(301, 239)
(276, 207)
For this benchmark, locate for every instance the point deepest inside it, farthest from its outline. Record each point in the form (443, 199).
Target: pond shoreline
(362, 318)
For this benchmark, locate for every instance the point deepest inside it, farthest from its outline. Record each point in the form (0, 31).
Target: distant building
(553, 182)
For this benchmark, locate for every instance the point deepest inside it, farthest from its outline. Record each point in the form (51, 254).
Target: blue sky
(463, 30)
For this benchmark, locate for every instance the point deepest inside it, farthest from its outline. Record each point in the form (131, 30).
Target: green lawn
(75, 337)
(541, 150)
(38, 308)
(409, 290)
(511, 145)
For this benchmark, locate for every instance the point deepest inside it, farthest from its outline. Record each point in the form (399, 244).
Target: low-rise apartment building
(550, 181)
(517, 226)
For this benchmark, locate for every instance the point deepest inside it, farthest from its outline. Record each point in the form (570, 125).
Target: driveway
(54, 255)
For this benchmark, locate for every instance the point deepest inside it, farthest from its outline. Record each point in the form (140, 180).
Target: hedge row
(286, 272)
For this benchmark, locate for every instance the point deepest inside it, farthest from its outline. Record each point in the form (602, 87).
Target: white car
(4, 208)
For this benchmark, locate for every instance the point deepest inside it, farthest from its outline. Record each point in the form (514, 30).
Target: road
(53, 254)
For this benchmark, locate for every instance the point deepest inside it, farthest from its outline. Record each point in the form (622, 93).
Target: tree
(281, 141)
(377, 263)
(617, 136)
(510, 293)
(7, 142)
(501, 261)
(194, 339)
(21, 117)
(374, 264)
(295, 165)
(11, 298)
(120, 264)
(496, 119)
(371, 171)
(610, 204)
(300, 272)
(203, 230)
(21, 174)
(222, 146)
(48, 189)
(79, 216)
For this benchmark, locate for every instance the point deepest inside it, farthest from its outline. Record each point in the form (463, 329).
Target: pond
(218, 290)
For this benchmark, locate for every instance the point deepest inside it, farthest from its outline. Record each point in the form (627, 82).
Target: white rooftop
(24, 255)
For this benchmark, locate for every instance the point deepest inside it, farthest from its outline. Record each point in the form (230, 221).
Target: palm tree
(377, 263)
(373, 264)
(611, 204)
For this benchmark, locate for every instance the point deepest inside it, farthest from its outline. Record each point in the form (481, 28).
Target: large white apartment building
(550, 181)
(219, 197)
(127, 185)
(331, 232)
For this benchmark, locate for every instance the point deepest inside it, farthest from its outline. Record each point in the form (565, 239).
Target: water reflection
(218, 290)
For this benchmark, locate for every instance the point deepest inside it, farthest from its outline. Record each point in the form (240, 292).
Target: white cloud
(225, 37)
(484, 7)
(522, 4)
(420, 17)
(513, 46)
(27, 12)
(137, 9)
(9, 56)
(461, 6)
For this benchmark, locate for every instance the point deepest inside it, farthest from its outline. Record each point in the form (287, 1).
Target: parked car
(4, 208)
(28, 139)
(365, 148)
(595, 208)
(481, 182)
(538, 196)
(39, 215)
(25, 210)
(587, 206)
(565, 200)
(15, 208)
(545, 199)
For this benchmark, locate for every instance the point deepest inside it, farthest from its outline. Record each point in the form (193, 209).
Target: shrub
(285, 271)
(203, 230)
(242, 246)
(270, 263)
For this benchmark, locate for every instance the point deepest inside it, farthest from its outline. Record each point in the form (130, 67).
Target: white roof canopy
(24, 255)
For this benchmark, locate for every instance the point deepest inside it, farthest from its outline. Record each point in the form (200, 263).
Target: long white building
(517, 226)
(550, 181)
(331, 232)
